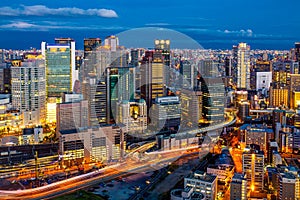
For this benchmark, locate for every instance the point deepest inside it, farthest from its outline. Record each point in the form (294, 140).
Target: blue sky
(267, 24)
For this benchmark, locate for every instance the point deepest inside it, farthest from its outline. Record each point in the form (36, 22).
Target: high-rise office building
(89, 68)
(238, 187)
(163, 46)
(72, 115)
(165, 115)
(29, 90)
(5, 78)
(95, 92)
(133, 114)
(191, 108)
(279, 97)
(136, 56)
(187, 72)
(244, 110)
(61, 72)
(213, 92)
(242, 69)
(120, 86)
(209, 68)
(152, 77)
(228, 66)
(253, 167)
(258, 136)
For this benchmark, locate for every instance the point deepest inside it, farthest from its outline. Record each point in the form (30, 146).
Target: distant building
(253, 167)
(242, 66)
(224, 172)
(72, 115)
(90, 46)
(10, 119)
(238, 187)
(263, 80)
(29, 90)
(204, 183)
(276, 159)
(279, 97)
(5, 78)
(87, 145)
(95, 92)
(289, 139)
(188, 73)
(244, 110)
(187, 193)
(32, 135)
(165, 115)
(133, 114)
(191, 108)
(288, 186)
(258, 135)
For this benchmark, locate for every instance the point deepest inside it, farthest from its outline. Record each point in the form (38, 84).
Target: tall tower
(213, 91)
(29, 90)
(89, 68)
(163, 46)
(120, 86)
(61, 73)
(152, 77)
(242, 72)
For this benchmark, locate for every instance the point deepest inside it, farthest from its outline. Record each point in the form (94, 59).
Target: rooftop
(203, 176)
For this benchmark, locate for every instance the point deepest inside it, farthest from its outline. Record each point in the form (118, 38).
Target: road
(86, 180)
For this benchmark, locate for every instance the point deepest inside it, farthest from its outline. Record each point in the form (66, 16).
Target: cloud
(248, 32)
(19, 25)
(158, 24)
(41, 10)
(49, 25)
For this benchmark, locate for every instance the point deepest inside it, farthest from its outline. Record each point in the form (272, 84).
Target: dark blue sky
(264, 24)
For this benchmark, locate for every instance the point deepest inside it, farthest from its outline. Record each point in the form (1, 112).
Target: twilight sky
(216, 24)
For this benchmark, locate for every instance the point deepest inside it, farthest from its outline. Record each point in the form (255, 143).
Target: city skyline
(160, 100)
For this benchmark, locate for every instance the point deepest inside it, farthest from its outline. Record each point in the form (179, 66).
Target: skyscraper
(213, 92)
(72, 115)
(89, 68)
(29, 90)
(95, 92)
(61, 73)
(163, 46)
(152, 77)
(120, 86)
(5, 78)
(242, 69)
